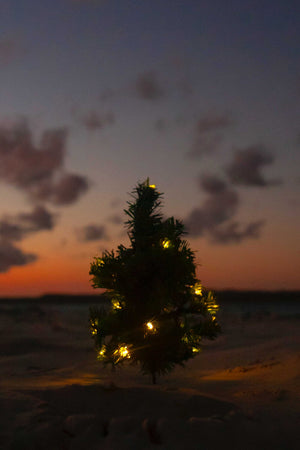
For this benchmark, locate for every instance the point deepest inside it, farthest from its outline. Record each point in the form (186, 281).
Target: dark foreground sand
(241, 392)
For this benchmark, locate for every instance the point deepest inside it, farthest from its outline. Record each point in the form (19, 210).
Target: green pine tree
(159, 311)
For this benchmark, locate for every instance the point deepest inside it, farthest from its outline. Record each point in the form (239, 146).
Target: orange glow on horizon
(250, 267)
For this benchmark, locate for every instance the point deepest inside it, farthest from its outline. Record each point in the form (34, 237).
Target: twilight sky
(202, 96)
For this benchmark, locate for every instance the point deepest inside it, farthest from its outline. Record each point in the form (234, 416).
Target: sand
(242, 392)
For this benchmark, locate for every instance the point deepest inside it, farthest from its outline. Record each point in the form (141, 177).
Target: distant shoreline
(224, 296)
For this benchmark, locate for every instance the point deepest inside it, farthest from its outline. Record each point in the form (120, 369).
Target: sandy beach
(242, 392)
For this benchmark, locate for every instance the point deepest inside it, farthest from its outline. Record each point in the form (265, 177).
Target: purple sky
(201, 96)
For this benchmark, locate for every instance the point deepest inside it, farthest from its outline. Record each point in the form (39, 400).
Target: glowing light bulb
(116, 304)
(212, 306)
(198, 289)
(122, 352)
(166, 243)
(100, 262)
(94, 324)
(101, 352)
(195, 350)
(150, 326)
(153, 186)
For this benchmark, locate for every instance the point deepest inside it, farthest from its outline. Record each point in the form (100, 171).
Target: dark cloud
(246, 167)
(208, 134)
(15, 228)
(148, 87)
(10, 231)
(65, 191)
(22, 164)
(92, 232)
(38, 170)
(214, 217)
(95, 121)
(220, 205)
(11, 256)
(234, 233)
(39, 219)
(212, 184)
(69, 188)
(115, 219)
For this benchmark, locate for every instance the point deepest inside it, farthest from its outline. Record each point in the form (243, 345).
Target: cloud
(214, 217)
(116, 219)
(246, 167)
(148, 87)
(39, 219)
(220, 205)
(208, 134)
(10, 231)
(12, 256)
(94, 121)
(233, 232)
(92, 232)
(65, 191)
(38, 170)
(212, 184)
(15, 228)
(24, 165)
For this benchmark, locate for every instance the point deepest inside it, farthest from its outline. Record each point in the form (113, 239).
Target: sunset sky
(202, 96)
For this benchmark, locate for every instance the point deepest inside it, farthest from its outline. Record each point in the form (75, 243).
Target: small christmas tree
(159, 311)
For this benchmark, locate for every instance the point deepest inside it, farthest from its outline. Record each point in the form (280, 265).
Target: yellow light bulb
(198, 289)
(101, 353)
(150, 326)
(123, 352)
(166, 243)
(116, 304)
(93, 328)
(152, 186)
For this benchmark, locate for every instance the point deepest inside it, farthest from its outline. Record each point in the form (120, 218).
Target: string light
(150, 326)
(212, 306)
(101, 352)
(198, 289)
(166, 243)
(100, 262)
(122, 352)
(94, 324)
(116, 304)
(152, 186)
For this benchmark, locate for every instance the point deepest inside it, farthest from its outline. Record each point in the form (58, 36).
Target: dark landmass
(233, 296)
(226, 296)
(58, 298)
